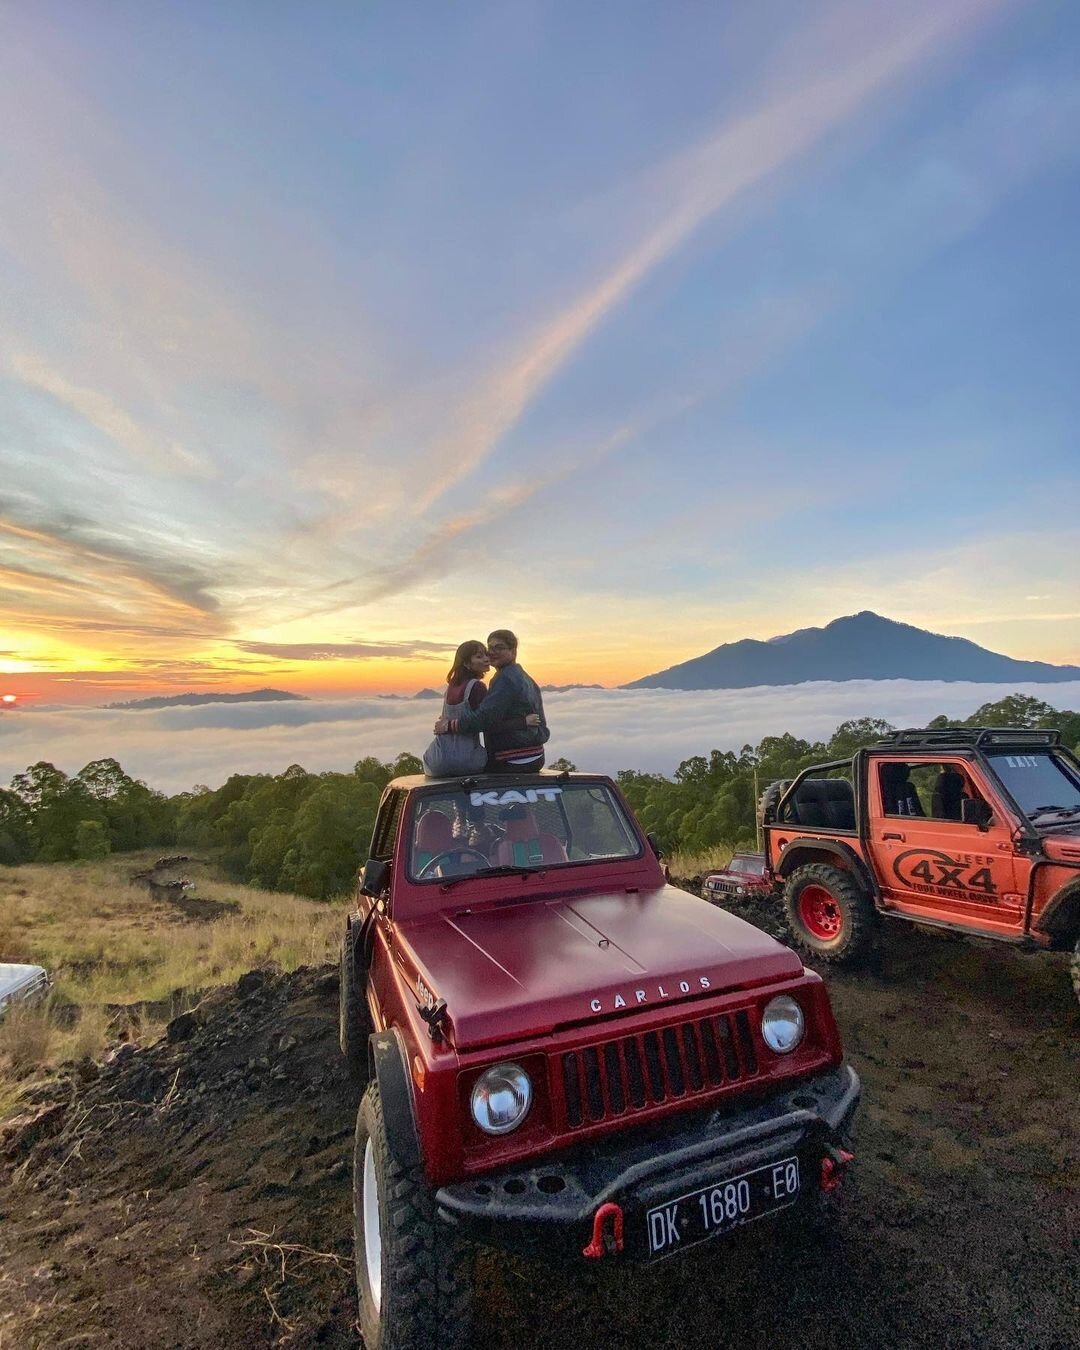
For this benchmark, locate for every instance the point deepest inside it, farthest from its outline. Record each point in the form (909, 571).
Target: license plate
(717, 1209)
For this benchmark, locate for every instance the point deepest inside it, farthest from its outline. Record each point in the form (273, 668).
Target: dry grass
(698, 864)
(26, 1036)
(109, 946)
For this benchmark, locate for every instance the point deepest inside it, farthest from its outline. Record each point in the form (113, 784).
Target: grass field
(685, 865)
(122, 958)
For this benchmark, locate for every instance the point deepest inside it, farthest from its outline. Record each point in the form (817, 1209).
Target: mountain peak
(862, 646)
(195, 700)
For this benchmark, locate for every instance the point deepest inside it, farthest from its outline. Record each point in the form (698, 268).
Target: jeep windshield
(1045, 787)
(466, 831)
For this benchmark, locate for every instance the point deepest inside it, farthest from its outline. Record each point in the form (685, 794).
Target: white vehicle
(21, 984)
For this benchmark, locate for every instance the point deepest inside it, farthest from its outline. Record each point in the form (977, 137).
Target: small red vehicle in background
(563, 1054)
(746, 874)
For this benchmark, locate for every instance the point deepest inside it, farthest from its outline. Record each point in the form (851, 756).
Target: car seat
(948, 798)
(898, 795)
(434, 835)
(825, 802)
(524, 844)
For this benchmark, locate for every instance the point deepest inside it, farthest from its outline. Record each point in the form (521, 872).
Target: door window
(927, 791)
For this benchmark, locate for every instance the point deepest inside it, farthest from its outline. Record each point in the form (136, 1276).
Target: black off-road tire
(426, 1295)
(354, 1020)
(1074, 969)
(828, 914)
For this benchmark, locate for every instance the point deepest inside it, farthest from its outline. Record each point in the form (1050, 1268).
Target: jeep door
(384, 848)
(929, 862)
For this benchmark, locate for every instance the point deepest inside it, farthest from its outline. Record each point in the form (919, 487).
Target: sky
(334, 335)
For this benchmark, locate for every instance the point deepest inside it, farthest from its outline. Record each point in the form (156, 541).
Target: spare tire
(769, 799)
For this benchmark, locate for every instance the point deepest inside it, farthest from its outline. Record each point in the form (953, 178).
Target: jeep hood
(523, 969)
(1062, 845)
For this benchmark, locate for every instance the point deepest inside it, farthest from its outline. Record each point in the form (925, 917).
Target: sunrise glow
(744, 357)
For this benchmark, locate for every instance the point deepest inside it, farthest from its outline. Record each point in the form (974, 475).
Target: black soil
(196, 1193)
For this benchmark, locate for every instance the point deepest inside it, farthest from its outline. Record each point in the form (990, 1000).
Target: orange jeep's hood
(512, 971)
(1062, 845)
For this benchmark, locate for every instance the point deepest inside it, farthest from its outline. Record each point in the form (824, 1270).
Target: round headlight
(501, 1098)
(782, 1024)
(740, 890)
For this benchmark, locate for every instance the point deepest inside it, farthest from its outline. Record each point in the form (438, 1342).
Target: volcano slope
(196, 1193)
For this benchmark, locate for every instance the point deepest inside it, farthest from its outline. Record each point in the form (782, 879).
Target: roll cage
(969, 743)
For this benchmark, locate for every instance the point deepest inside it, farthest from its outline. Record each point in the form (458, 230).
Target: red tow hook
(605, 1243)
(833, 1166)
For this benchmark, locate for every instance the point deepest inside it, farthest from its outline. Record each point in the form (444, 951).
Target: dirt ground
(196, 1193)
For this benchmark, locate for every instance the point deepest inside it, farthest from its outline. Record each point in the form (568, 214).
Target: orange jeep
(974, 830)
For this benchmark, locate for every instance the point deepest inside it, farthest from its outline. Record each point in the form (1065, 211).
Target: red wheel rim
(820, 914)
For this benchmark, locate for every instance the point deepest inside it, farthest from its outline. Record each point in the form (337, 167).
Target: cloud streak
(405, 650)
(444, 542)
(77, 567)
(700, 182)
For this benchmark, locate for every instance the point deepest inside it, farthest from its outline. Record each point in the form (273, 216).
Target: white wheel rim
(372, 1231)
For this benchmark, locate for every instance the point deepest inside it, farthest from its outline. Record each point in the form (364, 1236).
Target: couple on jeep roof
(510, 714)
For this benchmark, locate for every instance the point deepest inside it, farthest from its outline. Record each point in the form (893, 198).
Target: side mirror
(375, 877)
(654, 844)
(974, 811)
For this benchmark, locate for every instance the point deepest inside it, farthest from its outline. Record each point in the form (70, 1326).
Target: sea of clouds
(174, 748)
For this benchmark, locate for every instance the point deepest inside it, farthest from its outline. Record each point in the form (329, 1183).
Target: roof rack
(924, 738)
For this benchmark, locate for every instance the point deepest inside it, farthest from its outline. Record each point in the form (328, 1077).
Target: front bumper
(549, 1207)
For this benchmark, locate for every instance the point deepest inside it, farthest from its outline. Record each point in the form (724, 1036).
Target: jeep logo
(927, 869)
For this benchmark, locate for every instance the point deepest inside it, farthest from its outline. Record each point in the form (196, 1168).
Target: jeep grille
(654, 1067)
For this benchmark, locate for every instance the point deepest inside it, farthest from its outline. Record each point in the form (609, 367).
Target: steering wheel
(451, 855)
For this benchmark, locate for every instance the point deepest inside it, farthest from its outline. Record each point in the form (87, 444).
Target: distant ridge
(864, 646)
(193, 700)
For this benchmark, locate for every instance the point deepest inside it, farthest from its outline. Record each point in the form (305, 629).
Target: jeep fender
(390, 1070)
(1060, 919)
(804, 850)
(361, 928)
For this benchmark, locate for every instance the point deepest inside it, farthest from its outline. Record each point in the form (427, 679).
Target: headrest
(825, 790)
(434, 832)
(521, 823)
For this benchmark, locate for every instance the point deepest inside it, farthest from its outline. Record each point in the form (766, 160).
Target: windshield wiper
(1055, 810)
(508, 870)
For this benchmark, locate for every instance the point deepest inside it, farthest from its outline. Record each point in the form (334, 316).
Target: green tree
(56, 805)
(269, 846)
(856, 735)
(331, 835)
(1014, 710)
(16, 829)
(91, 841)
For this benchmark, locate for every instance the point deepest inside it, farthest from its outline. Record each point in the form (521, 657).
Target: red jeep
(563, 1054)
(746, 874)
(975, 830)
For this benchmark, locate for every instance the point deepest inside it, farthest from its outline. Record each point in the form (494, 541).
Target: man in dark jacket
(513, 695)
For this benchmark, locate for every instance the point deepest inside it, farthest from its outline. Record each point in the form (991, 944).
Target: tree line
(713, 801)
(308, 832)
